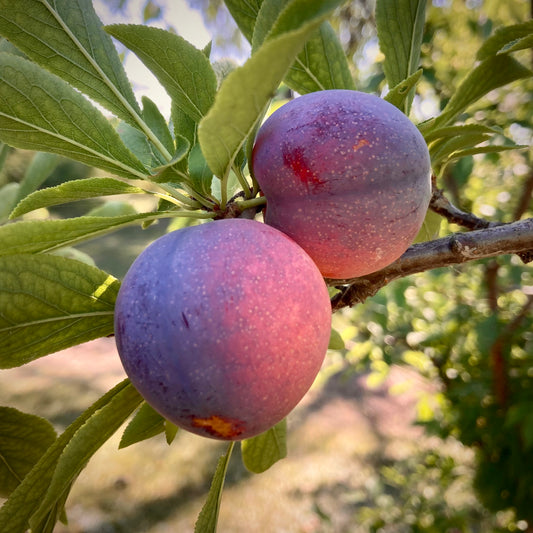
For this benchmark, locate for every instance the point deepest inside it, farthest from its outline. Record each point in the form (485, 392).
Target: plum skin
(347, 176)
(223, 327)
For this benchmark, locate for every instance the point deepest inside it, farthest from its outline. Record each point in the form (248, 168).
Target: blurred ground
(340, 438)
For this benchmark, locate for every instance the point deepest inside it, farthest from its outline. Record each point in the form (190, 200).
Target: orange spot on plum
(220, 426)
(360, 144)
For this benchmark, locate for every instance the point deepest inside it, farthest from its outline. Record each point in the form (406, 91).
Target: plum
(347, 176)
(223, 327)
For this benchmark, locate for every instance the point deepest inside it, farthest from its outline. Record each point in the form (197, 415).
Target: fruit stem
(251, 202)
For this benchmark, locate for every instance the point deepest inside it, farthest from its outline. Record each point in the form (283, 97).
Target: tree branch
(512, 238)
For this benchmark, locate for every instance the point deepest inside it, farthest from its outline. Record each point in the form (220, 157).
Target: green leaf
(430, 227)
(23, 440)
(84, 443)
(490, 74)
(36, 236)
(8, 199)
(398, 95)
(490, 149)
(400, 27)
(335, 341)
(41, 166)
(458, 131)
(244, 12)
(27, 497)
(146, 423)
(72, 191)
(446, 146)
(507, 39)
(321, 65)
(199, 171)
(39, 111)
(112, 208)
(171, 430)
(183, 70)
(245, 93)
(137, 143)
(48, 303)
(67, 39)
(157, 123)
(261, 452)
(269, 12)
(208, 517)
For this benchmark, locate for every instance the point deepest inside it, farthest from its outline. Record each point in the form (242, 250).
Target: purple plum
(223, 327)
(347, 176)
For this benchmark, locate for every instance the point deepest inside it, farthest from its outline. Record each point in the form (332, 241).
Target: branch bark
(512, 238)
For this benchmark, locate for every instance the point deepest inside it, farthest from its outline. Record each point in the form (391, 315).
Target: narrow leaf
(208, 517)
(171, 430)
(8, 199)
(245, 93)
(84, 443)
(441, 149)
(67, 39)
(39, 111)
(456, 131)
(41, 166)
(398, 95)
(26, 498)
(72, 191)
(261, 452)
(157, 123)
(490, 74)
(244, 12)
(146, 423)
(507, 39)
(137, 143)
(23, 440)
(36, 236)
(48, 303)
(269, 12)
(321, 65)
(490, 149)
(335, 341)
(400, 27)
(183, 70)
(430, 227)
(199, 171)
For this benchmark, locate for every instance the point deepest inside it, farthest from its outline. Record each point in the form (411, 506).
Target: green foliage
(48, 482)
(69, 40)
(208, 517)
(72, 191)
(49, 303)
(42, 112)
(183, 70)
(400, 26)
(236, 112)
(261, 452)
(457, 327)
(146, 423)
(23, 440)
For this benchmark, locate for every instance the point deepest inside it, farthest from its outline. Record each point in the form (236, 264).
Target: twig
(442, 206)
(512, 238)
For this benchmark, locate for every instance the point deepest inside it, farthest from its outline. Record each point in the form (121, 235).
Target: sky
(188, 23)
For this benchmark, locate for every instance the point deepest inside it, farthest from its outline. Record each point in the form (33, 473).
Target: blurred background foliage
(468, 330)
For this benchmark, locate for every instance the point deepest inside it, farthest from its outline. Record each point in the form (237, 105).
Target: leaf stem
(243, 183)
